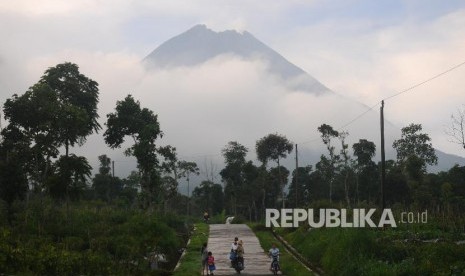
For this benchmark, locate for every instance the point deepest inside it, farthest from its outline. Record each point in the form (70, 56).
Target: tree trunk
(281, 184)
(188, 196)
(67, 147)
(347, 188)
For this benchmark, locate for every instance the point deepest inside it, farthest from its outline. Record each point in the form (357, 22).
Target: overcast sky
(365, 50)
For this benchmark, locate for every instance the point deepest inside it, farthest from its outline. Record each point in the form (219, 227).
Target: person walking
(204, 258)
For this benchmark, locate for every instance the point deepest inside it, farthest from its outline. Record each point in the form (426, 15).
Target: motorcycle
(236, 262)
(275, 265)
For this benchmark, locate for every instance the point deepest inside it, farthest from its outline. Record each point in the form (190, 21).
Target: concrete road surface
(219, 243)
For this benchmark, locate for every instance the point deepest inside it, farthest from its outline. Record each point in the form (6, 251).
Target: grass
(375, 252)
(289, 265)
(190, 263)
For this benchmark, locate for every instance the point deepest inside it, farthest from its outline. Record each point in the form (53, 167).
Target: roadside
(289, 265)
(189, 264)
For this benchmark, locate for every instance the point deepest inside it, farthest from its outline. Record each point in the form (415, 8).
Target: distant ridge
(200, 44)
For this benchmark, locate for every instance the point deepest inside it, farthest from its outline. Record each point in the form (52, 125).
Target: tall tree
(232, 174)
(78, 99)
(32, 131)
(346, 164)
(415, 147)
(274, 147)
(141, 124)
(185, 170)
(209, 196)
(300, 179)
(234, 153)
(364, 151)
(327, 134)
(61, 109)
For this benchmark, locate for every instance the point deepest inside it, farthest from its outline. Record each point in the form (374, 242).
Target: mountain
(200, 44)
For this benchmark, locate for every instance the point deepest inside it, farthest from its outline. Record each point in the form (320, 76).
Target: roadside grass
(289, 265)
(190, 263)
(376, 252)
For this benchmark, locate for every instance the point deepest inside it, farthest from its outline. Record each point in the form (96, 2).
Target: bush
(87, 238)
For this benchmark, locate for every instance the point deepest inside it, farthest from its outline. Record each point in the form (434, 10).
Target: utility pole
(383, 158)
(188, 196)
(113, 168)
(296, 176)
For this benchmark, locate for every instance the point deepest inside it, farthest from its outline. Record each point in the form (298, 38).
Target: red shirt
(211, 260)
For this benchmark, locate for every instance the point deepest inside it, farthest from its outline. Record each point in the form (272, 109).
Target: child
(211, 262)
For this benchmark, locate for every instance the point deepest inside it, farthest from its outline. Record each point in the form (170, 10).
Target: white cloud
(202, 108)
(369, 64)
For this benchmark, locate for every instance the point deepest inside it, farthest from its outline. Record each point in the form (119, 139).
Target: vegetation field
(400, 251)
(87, 238)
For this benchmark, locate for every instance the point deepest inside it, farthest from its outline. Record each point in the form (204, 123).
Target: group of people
(236, 257)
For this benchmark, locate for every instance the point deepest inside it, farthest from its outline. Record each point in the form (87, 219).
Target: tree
(69, 180)
(185, 170)
(32, 131)
(346, 164)
(301, 179)
(234, 153)
(141, 124)
(13, 181)
(78, 98)
(232, 174)
(274, 147)
(61, 109)
(327, 133)
(169, 164)
(253, 189)
(415, 147)
(209, 196)
(364, 151)
(106, 186)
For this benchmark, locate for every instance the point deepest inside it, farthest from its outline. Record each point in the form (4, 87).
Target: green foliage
(191, 262)
(209, 196)
(86, 238)
(273, 147)
(414, 143)
(129, 119)
(396, 251)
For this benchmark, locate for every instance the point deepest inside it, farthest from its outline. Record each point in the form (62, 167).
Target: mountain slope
(200, 44)
(301, 116)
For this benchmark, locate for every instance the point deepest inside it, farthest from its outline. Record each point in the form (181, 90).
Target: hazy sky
(365, 50)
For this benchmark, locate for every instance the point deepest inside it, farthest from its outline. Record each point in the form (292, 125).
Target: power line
(392, 96)
(358, 117)
(426, 81)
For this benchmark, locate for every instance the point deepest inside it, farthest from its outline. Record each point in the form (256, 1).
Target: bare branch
(456, 131)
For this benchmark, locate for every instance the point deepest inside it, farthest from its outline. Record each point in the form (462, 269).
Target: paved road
(219, 243)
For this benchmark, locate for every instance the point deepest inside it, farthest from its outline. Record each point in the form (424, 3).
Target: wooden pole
(296, 176)
(383, 158)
